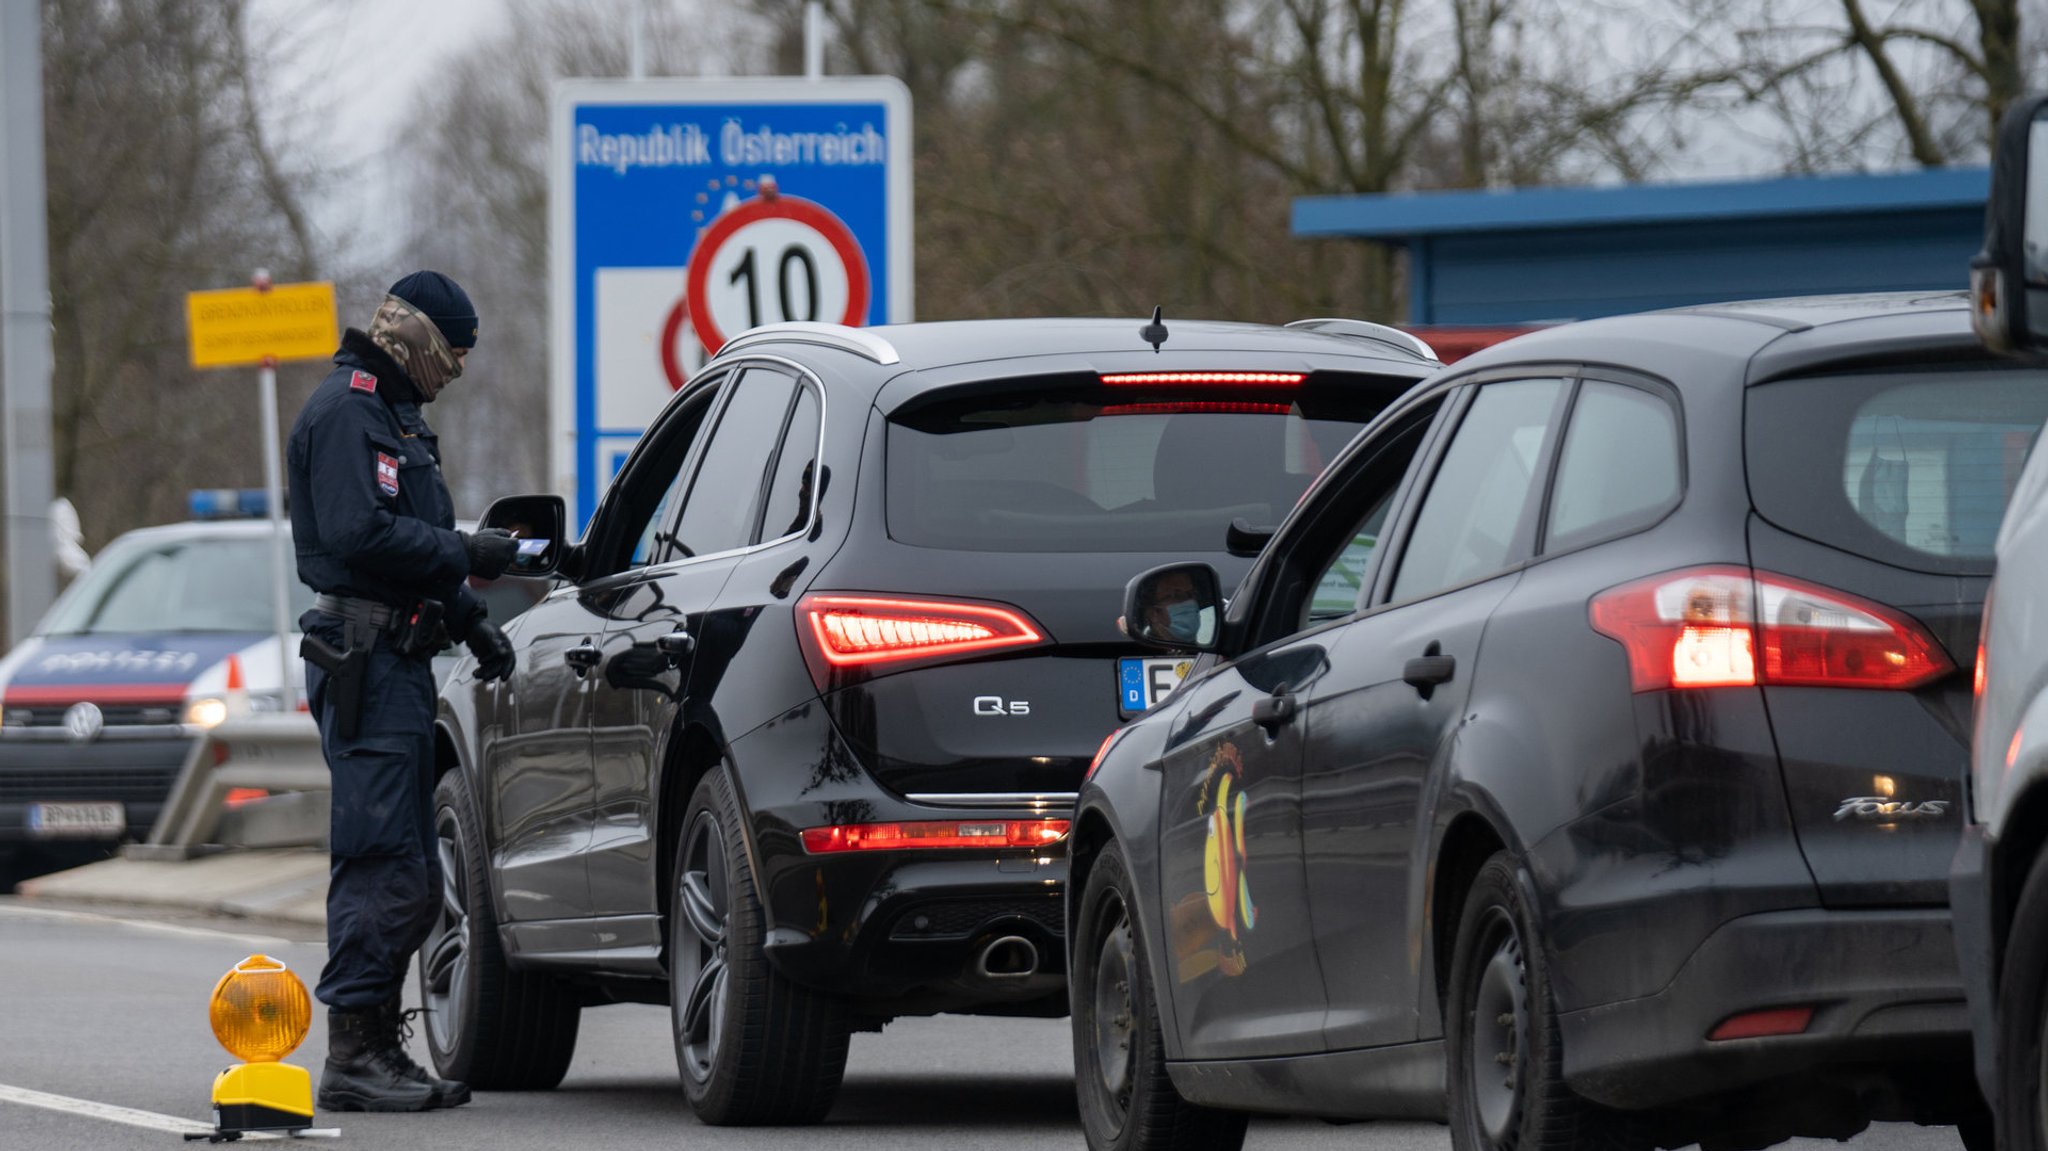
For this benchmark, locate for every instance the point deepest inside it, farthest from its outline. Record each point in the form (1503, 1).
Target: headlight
(207, 712)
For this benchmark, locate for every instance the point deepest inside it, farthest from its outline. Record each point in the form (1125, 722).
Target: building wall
(1537, 275)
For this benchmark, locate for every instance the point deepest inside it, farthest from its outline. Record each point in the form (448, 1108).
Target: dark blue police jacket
(371, 515)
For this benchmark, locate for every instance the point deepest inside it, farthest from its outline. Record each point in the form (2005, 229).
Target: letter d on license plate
(77, 820)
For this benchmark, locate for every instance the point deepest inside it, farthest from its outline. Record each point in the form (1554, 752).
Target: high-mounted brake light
(873, 629)
(1726, 626)
(934, 835)
(1199, 407)
(1263, 379)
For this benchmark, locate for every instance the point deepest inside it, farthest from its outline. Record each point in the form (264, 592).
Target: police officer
(375, 533)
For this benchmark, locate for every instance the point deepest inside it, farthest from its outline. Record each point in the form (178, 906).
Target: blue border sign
(642, 169)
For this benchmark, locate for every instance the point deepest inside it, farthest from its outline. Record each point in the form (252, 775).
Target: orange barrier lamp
(260, 1012)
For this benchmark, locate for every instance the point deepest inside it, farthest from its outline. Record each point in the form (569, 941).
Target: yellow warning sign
(240, 327)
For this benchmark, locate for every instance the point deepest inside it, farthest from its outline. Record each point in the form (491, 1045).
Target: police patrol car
(167, 633)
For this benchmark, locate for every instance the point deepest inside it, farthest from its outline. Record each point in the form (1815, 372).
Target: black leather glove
(490, 551)
(495, 658)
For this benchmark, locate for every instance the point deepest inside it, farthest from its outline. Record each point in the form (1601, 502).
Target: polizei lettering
(674, 146)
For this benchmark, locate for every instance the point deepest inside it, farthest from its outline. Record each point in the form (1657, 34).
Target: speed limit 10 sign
(771, 259)
(683, 212)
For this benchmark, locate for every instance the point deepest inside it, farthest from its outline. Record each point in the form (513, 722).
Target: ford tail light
(1726, 626)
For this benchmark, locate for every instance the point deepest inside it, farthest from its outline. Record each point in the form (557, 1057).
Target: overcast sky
(344, 73)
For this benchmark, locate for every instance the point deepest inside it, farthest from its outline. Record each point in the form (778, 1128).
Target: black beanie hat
(443, 301)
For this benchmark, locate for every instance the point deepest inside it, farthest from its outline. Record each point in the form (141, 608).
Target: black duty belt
(381, 617)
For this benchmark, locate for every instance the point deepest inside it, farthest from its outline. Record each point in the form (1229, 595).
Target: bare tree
(161, 181)
(1863, 83)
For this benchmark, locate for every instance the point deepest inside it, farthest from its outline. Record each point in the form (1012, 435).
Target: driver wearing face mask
(1174, 612)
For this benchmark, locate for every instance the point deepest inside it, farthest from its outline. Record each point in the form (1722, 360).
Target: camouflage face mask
(419, 347)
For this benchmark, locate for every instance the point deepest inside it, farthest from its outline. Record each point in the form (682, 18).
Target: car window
(725, 496)
(1468, 521)
(790, 488)
(1908, 468)
(1338, 588)
(1618, 469)
(649, 485)
(197, 583)
(1084, 468)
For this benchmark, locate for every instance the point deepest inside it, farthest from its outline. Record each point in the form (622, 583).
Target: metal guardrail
(279, 754)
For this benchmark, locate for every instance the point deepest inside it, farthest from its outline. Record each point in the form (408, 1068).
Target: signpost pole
(814, 39)
(273, 501)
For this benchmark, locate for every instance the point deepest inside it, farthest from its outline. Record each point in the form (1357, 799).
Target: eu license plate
(1141, 683)
(80, 820)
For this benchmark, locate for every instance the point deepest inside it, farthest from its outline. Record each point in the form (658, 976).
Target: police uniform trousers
(384, 878)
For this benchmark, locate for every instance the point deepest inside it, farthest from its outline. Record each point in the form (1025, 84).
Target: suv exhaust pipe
(1009, 957)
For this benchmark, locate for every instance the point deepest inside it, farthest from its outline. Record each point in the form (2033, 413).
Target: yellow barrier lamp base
(263, 1097)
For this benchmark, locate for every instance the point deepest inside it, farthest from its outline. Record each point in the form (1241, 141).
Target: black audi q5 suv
(793, 743)
(1582, 762)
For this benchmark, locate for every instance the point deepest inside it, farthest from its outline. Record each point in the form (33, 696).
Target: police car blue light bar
(226, 503)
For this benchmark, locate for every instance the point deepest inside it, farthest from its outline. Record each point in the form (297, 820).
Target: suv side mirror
(2009, 278)
(1174, 608)
(539, 522)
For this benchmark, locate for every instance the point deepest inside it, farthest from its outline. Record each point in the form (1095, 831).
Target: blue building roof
(1490, 257)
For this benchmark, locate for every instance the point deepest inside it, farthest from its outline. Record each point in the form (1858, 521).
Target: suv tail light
(1727, 626)
(929, 835)
(845, 632)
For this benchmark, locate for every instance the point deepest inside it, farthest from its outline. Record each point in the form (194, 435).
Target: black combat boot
(366, 1068)
(450, 1092)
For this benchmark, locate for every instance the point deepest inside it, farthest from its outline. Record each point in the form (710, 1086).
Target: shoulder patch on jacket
(362, 381)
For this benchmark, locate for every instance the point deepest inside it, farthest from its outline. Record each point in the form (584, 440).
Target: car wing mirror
(539, 523)
(2009, 278)
(1245, 541)
(1178, 607)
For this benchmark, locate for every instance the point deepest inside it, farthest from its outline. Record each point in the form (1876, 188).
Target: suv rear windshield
(1094, 470)
(198, 583)
(1908, 468)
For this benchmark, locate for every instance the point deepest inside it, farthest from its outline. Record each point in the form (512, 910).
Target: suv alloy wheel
(752, 1046)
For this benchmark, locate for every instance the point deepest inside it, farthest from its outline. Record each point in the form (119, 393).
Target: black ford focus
(794, 741)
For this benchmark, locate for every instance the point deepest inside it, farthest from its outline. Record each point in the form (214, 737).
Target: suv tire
(1501, 1035)
(1127, 1102)
(752, 1047)
(488, 1026)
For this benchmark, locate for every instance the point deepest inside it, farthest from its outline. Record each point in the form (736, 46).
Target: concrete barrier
(278, 754)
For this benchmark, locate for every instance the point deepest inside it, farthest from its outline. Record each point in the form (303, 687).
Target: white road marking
(148, 1120)
(17, 909)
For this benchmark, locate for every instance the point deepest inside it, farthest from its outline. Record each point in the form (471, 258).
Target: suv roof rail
(1406, 342)
(859, 341)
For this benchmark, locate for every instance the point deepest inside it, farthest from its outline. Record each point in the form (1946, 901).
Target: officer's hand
(495, 658)
(490, 552)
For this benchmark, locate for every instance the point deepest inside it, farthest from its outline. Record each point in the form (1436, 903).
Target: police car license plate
(1142, 683)
(61, 820)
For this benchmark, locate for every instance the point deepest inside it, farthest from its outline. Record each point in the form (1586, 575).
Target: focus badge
(387, 474)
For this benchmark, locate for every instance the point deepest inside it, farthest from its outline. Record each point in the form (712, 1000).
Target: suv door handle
(1424, 672)
(676, 645)
(583, 657)
(1273, 711)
